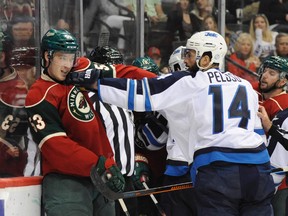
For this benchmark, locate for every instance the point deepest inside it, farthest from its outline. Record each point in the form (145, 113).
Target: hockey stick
(123, 206)
(279, 170)
(160, 210)
(108, 193)
(99, 183)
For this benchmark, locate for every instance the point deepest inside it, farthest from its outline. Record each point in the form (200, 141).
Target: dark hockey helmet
(276, 63)
(106, 55)
(146, 63)
(24, 56)
(59, 40)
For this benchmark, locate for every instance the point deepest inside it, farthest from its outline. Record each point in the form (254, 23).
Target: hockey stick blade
(109, 194)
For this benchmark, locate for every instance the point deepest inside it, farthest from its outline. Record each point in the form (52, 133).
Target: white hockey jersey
(220, 110)
(278, 145)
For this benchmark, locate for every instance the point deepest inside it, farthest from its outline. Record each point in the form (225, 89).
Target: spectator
(181, 23)
(62, 24)
(263, 37)
(245, 57)
(281, 45)
(22, 31)
(153, 10)
(155, 54)
(13, 117)
(70, 135)
(276, 12)
(96, 16)
(203, 8)
(210, 23)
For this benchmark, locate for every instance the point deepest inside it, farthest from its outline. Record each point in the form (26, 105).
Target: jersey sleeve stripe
(131, 93)
(50, 136)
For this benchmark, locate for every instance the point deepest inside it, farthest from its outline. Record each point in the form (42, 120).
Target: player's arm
(280, 134)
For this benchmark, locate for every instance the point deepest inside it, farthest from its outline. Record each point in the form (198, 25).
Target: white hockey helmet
(208, 41)
(176, 60)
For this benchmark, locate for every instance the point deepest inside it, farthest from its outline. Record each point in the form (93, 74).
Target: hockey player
(13, 117)
(113, 61)
(272, 85)
(180, 202)
(225, 150)
(176, 60)
(273, 97)
(70, 135)
(277, 131)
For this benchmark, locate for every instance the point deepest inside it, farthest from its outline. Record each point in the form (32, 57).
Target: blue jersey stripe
(131, 93)
(147, 99)
(151, 138)
(176, 170)
(238, 158)
(259, 131)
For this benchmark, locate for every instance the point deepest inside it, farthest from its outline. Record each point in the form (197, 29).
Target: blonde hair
(266, 33)
(242, 37)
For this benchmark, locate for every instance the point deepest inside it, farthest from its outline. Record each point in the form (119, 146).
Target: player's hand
(87, 79)
(266, 122)
(141, 171)
(106, 167)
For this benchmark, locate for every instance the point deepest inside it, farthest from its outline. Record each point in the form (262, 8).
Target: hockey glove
(107, 168)
(87, 79)
(141, 171)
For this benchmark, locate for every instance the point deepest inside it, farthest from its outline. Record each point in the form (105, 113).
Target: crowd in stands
(168, 24)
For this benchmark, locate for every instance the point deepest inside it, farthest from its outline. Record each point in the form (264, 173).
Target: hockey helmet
(276, 63)
(147, 64)
(59, 40)
(106, 55)
(208, 41)
(176, 60)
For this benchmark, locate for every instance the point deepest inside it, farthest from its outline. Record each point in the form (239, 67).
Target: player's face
(60, 65)
(268, 79)
(190, 59)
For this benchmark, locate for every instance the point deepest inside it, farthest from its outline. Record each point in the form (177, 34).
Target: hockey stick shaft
(110, 194)
(160, 210)
(279, 170)
(124, 207)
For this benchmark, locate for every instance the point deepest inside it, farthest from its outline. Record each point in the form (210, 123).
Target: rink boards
(20, 196)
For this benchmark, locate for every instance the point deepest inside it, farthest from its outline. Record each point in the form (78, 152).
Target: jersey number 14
(238, 108)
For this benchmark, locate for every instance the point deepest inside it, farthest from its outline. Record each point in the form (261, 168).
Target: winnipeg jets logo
(78, 106)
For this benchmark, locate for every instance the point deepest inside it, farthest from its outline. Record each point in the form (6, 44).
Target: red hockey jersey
(69, 133)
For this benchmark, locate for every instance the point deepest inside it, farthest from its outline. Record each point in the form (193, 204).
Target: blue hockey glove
(87, 79)
(107, 168)
(141, 171)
